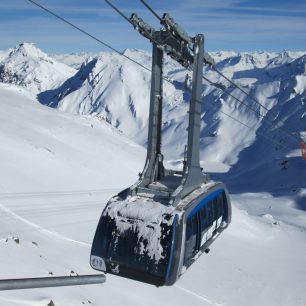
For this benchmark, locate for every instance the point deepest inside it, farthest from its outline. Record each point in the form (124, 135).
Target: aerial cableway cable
(217, 85)
(272, 124)
(128, 20)
(88, 34)
(118, 11)
(150, 9)
(281, 146)
(220, 86)
(144, 67)
(254, 100)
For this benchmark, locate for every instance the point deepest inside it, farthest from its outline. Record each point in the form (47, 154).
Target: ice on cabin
(144, 216)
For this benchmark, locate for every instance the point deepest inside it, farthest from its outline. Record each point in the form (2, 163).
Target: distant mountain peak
(26, 46)
(29, 67)
(24, 50)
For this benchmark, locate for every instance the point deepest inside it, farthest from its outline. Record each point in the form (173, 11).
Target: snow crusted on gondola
(146, 218)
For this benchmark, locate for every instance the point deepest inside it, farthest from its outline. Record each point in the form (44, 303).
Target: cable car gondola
(154, 230)
(149, 241)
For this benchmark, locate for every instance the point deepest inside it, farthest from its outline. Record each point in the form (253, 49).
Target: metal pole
(153, 168)
(194, 126)
(193, 176)
(42, 282)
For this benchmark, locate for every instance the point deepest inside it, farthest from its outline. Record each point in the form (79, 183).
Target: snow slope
(58, 170)
(37, 134)
(36, 139)
(111, 87)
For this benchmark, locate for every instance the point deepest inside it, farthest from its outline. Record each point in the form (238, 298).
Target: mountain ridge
(29, 67)
(58, 170)
(116, 90)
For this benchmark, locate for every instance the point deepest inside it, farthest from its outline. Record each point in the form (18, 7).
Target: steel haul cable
(234, 84)
(253, 99)
(209, 81)
(88, 34)
(127, 57)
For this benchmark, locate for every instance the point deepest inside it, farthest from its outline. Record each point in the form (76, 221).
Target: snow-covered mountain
(29, 67)
(59, 169)
(113, 88)
(57, 172)
(75, 60)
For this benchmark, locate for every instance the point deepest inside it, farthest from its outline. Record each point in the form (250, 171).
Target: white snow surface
(33, 133)
(58, 170)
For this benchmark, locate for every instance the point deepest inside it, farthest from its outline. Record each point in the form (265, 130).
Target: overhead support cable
(282, 146)
(88, 34)
(135, 21)
(118, 11)
(73, 25)
(272, 124)
(254, 100)
(220, 86)
(211, 64)
(150, 9)
(238, 87)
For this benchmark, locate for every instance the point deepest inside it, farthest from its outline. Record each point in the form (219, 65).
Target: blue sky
(239, 25)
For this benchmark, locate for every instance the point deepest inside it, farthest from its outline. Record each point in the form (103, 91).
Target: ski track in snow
(201, 297)
(83, 244)
(41, 229)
